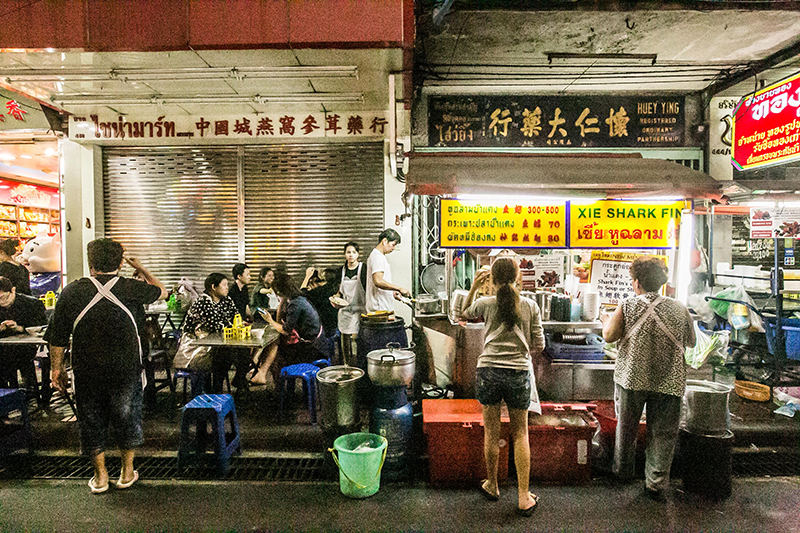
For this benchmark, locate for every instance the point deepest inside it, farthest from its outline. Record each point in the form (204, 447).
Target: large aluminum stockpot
(705, 407)
(337, 396)
(427, 304)
(392, 366)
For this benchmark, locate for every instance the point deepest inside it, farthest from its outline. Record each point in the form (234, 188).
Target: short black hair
(354, 245)
(285, 286)
(9, 246)
(104, 255)
(213, 280)
(263, 272)
(331, 275)
(650, 271)
(238, 269)
(390, 235)
(5, 284)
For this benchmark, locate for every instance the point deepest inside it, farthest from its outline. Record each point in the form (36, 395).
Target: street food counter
(574, 257)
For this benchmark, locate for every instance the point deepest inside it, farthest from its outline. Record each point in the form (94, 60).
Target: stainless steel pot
(427, 304)
(543, 299)
(392, 366)
(456, 301)
(705, 408)
(337, 396)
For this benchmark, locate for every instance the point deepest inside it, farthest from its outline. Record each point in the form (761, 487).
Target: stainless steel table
(216, 339)
(43, 392)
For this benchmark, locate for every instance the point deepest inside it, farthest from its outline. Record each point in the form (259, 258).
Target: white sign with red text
(769, 222)
(245, 128)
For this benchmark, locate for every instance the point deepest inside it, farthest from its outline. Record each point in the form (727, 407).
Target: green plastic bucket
(360, 458)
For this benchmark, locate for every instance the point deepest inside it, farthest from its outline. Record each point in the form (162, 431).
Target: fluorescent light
(127, 99)
(686, 244)
(190, 73)
(49, 152)
(7, 157)
(26, 156)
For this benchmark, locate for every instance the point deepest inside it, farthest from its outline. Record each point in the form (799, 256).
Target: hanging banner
(766, 126)
(556, 121)
(625, 224)
(610, 275)
(473, 224)
(247, 127)
(769, 222)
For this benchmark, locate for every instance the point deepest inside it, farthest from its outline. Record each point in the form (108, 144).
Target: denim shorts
(496, 384)
(104, 406)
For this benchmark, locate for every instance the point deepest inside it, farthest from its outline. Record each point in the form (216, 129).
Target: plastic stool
(322, 363)
(197, 378)
(308, 373)
(202, 410)
(19, 436)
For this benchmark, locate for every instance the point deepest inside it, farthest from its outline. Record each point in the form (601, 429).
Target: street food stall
(573, 236)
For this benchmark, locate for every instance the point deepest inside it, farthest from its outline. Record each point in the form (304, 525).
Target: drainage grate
(306, 468)
(766, 463)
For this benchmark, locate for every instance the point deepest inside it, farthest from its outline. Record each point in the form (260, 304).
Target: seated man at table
(17, 312)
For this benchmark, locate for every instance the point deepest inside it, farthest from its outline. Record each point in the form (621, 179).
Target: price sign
(473, 224)
(625, 224)
(610, 277)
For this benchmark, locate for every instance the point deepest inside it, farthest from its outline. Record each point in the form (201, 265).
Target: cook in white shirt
(380, 290)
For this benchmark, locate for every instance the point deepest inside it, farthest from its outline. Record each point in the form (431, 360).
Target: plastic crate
(561, 443)
(791, 331)
(454, 433)
(591, 351)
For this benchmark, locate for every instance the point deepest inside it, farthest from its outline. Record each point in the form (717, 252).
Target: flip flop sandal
(529, 511)
(95, 489)
(486, 494)
(121, 485)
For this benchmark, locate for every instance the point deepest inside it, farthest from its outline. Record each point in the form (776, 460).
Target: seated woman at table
(264, 296)
(9, 268)
(17, 312)
(320, 298)
(301, 339)
(212, 312)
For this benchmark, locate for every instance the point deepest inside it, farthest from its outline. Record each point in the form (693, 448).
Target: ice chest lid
(455, 412)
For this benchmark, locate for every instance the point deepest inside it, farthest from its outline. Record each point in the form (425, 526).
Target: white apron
(535, 404)
(104, 291)
(651, 311)
(353, 292)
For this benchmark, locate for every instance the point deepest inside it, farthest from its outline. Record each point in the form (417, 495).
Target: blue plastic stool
(19, 436)
(196, 378)
(308, 373)
(202, 410)
(322, 363)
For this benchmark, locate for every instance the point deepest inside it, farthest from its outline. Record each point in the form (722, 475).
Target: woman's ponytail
(504, 276)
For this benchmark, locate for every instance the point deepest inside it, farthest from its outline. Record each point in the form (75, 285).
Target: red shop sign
(766, 126)
(25, 194)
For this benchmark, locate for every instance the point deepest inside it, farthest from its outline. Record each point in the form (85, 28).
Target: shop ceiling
(576, 51)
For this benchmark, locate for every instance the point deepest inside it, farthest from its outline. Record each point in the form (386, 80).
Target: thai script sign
(625, 224)
(556, 121)
(610, 275)
(468, 224)
(249, 127)
(769, 222)
(766, 126)
(719, 138)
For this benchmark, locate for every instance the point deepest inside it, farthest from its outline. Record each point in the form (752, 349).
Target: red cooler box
(561, 443)
(454, 433)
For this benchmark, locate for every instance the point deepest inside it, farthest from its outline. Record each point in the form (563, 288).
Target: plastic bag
(701, 307)
(719, 307)
(711, 347)
(738, 316)
(192, 356)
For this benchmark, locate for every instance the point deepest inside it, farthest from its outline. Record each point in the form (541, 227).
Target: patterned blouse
(210, 316)
(649, 360)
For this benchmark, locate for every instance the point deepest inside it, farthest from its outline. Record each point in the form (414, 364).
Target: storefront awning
(595, 175)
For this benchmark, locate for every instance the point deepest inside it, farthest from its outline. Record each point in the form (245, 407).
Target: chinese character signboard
(610, 275)
(12, 192)
(247, 127)
(466, 224)
(624, 224)
(556, 121)
(20, 113)
(766, 126)
(769, 222)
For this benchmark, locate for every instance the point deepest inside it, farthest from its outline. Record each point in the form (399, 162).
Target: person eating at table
(238, 291)
(212, 312)
(17, 312)
(12, 270)
(264, 296)
(320, 298)
(298, 323)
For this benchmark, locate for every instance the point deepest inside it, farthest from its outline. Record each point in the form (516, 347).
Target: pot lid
(339, 374)
(391, 356)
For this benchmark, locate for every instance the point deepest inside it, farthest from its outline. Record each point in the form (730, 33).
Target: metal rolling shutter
(304, 202)
(174, 208)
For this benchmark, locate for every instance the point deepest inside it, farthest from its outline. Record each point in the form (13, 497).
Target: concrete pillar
(83, 199)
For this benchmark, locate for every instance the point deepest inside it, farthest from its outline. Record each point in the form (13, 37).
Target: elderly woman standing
(512, 332)
(653, 332)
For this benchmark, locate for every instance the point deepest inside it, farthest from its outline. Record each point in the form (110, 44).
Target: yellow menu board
(625, 224)
(473, 224)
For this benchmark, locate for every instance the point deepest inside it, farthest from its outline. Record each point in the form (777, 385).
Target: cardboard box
(454, 433)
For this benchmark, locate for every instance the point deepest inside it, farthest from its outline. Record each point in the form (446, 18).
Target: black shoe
(656, 495)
